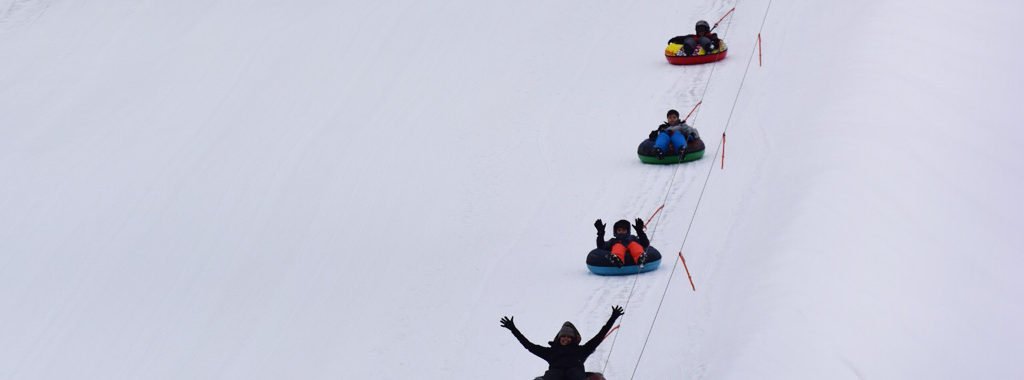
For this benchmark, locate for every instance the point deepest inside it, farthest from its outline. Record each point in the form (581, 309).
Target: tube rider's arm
(592, 344)
(533, 348)
(642, 237)
(691, 133)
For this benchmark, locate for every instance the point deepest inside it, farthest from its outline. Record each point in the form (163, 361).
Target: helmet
(702, 26)
(672, 112)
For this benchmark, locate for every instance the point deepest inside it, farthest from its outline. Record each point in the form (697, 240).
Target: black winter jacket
(711, 36)
(564, 357)
(640, 238)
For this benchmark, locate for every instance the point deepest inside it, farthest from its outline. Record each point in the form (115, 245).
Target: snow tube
(694, 151)
(673, 53)
(598, 262)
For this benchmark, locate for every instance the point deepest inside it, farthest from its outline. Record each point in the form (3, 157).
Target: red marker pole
(759, 50)
(691, 111)
(723, 18)
(687, 271)
(652, 216)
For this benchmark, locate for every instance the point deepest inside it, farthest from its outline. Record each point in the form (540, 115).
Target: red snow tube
(696, 59)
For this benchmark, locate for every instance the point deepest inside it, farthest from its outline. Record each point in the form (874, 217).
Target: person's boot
(615, 260)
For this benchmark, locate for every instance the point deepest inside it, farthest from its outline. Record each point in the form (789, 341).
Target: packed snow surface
(361, 190)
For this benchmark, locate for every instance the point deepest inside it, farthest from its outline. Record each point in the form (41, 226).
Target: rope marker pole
(723, 150)
(687, 271)
(759, 50)
(723, 18)
(652, 215)
(691, 110)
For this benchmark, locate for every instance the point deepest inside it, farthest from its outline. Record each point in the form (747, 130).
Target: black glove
(653, 135)
(617, 311)
(639, 226)
(507, 323)
(599, 226)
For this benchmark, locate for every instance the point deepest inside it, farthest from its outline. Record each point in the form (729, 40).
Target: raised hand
(599, 226)
(639, 226)
(508, 323)
(617, 311)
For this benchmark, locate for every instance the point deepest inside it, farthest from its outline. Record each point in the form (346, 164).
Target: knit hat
(621, 224)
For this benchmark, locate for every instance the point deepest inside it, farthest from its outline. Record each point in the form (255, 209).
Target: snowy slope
(344, 190)
(885, 230)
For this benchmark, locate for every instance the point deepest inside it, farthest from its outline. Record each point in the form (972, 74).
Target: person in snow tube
(623, 242)
(566, 356)
(673, 131)
(707, 40)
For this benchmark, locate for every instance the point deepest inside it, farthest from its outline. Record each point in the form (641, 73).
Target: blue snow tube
(599, 261)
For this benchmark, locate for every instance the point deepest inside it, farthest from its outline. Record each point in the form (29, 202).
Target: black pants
(690, 44)
(565, 374)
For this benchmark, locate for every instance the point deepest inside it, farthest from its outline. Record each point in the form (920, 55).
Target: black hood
(567, 328)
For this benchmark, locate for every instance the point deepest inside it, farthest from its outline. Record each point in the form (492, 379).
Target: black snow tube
(599, 261)
(694, 151)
